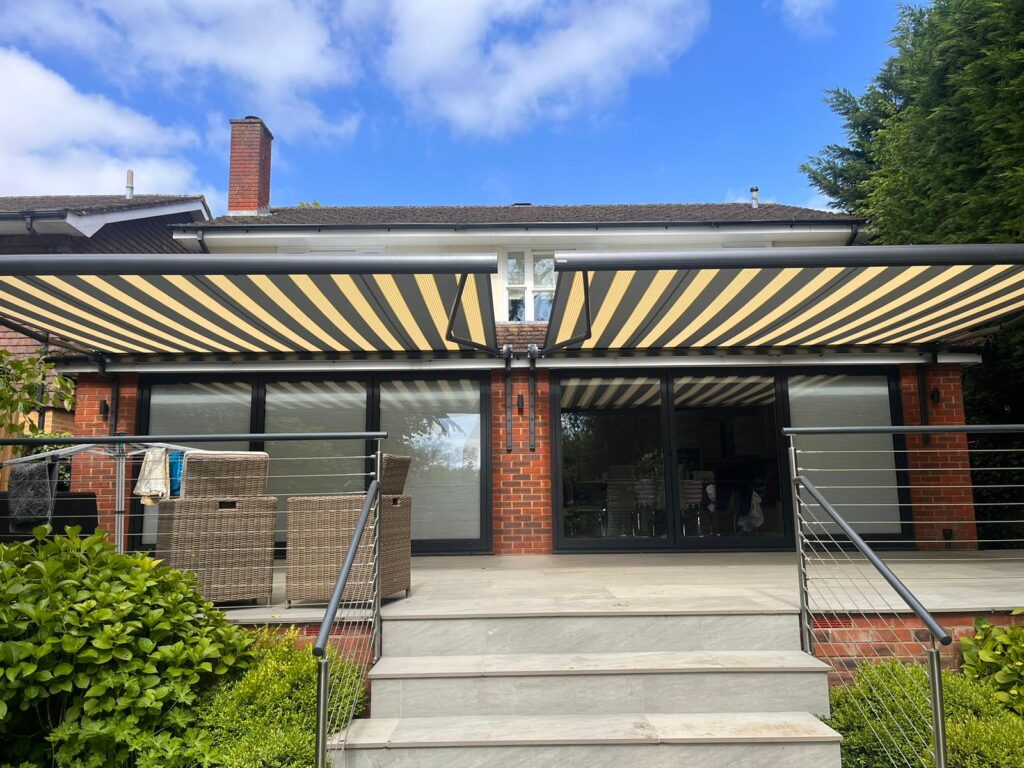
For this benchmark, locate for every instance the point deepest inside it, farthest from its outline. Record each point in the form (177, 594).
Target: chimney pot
(249, 175)
(129, 186)
(753, 197)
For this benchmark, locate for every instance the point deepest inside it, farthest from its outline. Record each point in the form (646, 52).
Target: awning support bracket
(449, 333)
(588, 327)
(532, 353)
(506, 352)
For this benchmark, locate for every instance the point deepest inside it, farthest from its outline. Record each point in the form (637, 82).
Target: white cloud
(807, 17)
(279, 52)
(493, 67)
(57, 140)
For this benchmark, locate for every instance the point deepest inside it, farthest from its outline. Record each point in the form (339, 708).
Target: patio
(669, 583)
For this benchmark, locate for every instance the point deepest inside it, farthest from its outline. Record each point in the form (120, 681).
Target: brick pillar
(521, 478)
(93, 473)
(940, 469)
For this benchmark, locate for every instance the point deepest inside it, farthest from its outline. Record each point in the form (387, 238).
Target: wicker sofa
(320, 530)
(222, 525)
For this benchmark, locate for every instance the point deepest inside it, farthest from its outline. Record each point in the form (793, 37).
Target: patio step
(597, 683)
(457, 631)
(715, 740)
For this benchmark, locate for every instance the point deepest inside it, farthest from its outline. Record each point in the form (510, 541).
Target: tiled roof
(85, 204)
(525, 215)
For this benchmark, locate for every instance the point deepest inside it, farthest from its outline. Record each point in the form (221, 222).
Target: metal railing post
(806, 636)
(377, 625)
(323, 679)
(938, 707)
(120, 457)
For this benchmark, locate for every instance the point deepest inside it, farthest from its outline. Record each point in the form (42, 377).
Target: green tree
(26, 385)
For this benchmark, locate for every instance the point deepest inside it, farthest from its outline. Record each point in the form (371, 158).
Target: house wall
(91, 473)
(938, 465)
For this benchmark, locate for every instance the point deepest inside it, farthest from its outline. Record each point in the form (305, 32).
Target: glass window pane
(517, 305)
(865, 464)
(315, 467)
(727, 456)
(543, 270)
(613, 484)
(542, 305)
(220, 407)
(516, 268)
(438, 424)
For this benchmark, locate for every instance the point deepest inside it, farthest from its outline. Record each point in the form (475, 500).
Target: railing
(316, 495)
(943, 504)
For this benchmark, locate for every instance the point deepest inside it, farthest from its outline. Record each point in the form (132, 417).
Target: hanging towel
(153, 484)
(176, 459)
(30, 490)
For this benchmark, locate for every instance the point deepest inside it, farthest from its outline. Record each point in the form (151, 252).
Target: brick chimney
(249, 176)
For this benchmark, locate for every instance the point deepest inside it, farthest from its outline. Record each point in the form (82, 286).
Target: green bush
(102, 655)
(267, 717)
(996, 654)
(885, 711)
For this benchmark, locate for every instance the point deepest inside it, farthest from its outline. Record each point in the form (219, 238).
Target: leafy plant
(885, 712)
(267, 717)
(996, 654)
(26, 385)
(102, 655)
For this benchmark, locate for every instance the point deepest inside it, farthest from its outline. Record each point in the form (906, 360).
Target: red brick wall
(848, 640)
(249, 176)
(521, 479)
(939, 469)
(94, 473)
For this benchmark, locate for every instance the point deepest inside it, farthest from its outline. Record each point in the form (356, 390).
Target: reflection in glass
(543, 271)
(198, 408)
(516, 268)
(727, 456)
(542, 305)
(314, 467)
(857, 472)
(613, 483)
(438, 424)
(516, 305)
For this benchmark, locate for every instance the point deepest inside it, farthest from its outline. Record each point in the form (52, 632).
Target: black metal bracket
(506, 352)
(588, 328)
(532, 353)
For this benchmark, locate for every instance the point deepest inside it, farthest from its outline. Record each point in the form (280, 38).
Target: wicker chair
(320, 530)
(222, 526)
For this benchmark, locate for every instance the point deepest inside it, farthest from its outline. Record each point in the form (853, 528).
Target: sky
(401, 102)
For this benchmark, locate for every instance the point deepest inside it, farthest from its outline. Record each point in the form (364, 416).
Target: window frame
(528, 286)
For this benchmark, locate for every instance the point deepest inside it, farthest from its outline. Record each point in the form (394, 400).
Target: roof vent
(129, 185)
(753, 197)
(516, 205)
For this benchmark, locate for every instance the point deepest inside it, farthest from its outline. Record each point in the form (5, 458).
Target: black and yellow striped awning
(138, 304)
(795, 297)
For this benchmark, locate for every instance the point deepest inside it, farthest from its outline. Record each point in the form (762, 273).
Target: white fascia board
(594, 237)
(90, 223)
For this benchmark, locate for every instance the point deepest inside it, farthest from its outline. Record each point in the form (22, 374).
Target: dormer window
(529, 285)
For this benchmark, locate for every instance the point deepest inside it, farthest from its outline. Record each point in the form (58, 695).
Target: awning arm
(249, 264)
(43, 338)
(832, 256)
(450, 334)
(587, 320)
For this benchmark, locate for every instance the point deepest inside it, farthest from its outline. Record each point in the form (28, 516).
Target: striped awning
(254, 303)
(722, 391)
(581, 393)
(796, 297)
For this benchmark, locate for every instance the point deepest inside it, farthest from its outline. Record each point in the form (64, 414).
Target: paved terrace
(678, 583)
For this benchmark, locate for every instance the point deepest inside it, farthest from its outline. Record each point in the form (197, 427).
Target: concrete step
(720, 740)
(653, 681)
(454, 633)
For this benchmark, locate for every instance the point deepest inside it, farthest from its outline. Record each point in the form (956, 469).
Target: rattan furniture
(320, 530)
(222, 526)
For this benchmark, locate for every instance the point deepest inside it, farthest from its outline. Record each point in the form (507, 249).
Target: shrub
(996, 654)
(102, 655)
(267, 717)
(885, 711)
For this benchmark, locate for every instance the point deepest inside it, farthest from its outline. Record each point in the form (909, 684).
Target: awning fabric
(820, 302)
(361, 312)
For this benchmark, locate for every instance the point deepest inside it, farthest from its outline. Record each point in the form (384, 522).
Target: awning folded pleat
(598, 306)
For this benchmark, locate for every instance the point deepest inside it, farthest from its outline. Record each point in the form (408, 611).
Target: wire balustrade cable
(955, 513)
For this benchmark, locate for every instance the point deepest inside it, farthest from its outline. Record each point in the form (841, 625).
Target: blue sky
(433, 101)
